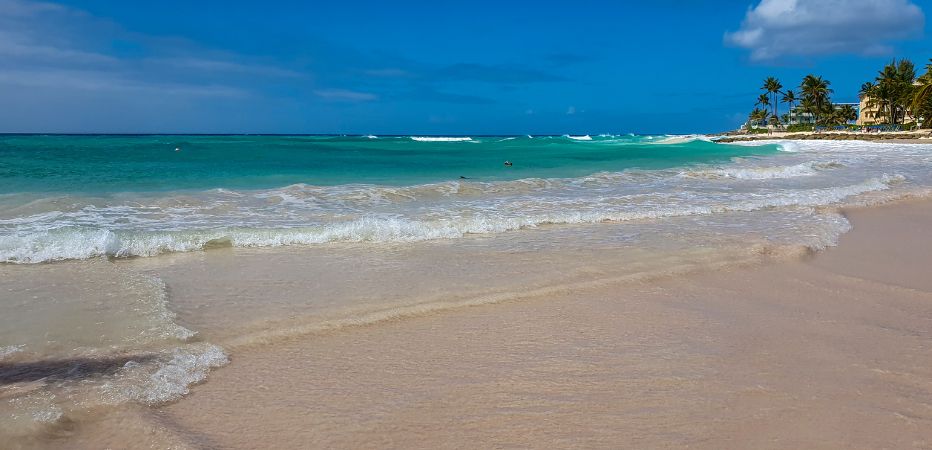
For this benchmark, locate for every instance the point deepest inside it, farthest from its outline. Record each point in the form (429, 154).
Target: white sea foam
(149, 379)
(519, 214)
(78, 228)
(168, 379)
(34, 409)
(579, 138)
(120, 321)
(10, 349)
(440, 139)
(681, 139)
(764, 173)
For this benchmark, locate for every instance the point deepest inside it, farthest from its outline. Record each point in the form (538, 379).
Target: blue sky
(478, 67)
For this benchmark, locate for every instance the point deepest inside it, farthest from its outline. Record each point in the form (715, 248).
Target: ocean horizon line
(358, 134)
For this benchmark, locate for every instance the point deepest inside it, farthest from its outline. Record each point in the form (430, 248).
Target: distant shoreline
(912, 137)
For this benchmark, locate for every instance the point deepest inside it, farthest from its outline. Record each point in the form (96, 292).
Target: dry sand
(833, 351)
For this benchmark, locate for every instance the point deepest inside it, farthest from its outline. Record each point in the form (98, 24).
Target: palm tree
(789, 97)
(893, 92)
(757, 117)
(885, 91)
(845, 114)
(763, 100)
(772, 86)
(922, 97)
(906, 76)
(817, 91)
(867, 95)
(807, 107)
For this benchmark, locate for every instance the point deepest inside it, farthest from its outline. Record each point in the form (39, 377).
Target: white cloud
(389, 73)
(49, 46)
(13, 45)
(345, 95)
(778, 28)
(219, 66)
(97, 81)
(23, 8)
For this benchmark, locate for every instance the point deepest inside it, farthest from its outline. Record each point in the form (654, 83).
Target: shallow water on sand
(820, 353)
(102, 334)
(150, 292)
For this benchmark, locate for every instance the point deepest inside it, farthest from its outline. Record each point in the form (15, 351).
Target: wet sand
(830, 351)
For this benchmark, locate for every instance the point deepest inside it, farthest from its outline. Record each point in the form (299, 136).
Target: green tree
(844, 114)
(865, 96)
(816, 94)
(763, 100)
(892, 93)
(789, 97)
(921, 103)
(806, 106)
(772, 87)
(757, 117)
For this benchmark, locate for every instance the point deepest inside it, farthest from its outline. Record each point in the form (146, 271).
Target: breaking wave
(83, 243)
(765, 173)
(685, 139)
(440, 139)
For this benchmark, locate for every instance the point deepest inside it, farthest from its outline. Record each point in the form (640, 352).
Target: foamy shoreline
(827, 351)
(318, 316)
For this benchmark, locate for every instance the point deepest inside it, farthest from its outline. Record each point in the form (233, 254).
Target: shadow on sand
(64, 369)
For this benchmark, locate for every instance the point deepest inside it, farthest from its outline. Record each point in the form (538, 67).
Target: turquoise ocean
(131, 267)
(77, 197)
(114, 164)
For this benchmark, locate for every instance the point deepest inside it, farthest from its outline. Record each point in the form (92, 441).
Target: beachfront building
(798, 115)
(869, 114)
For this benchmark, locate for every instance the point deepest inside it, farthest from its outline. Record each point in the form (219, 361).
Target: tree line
(897, 95)
(814, 99)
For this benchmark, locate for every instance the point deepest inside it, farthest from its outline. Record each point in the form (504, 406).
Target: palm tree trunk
(776, 107)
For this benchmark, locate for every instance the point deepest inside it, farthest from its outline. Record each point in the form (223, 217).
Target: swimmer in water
(508, 163)
(177, 149)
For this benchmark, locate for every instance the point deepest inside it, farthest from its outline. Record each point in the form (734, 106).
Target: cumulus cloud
(779, 28)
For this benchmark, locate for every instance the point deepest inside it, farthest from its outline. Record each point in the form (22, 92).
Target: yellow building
(868, 115)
